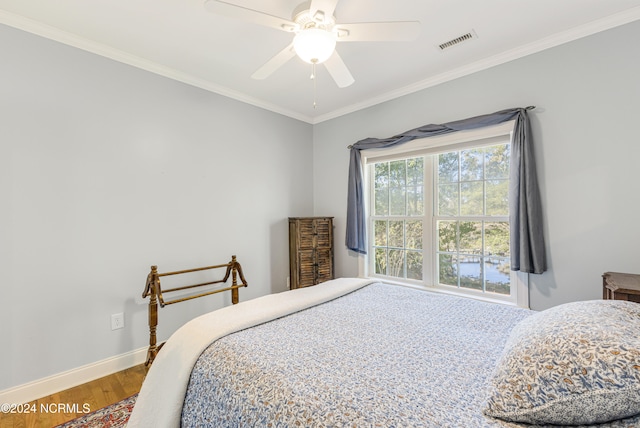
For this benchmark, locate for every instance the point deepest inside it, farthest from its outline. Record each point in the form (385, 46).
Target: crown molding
(74, 40)
(616, 20)
(70, 39)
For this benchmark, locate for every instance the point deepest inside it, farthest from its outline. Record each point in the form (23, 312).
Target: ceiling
(183, 41)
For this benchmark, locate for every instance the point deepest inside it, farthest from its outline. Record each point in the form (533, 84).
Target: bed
(352, 352)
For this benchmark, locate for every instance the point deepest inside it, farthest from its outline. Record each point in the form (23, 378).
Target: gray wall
(105, 170)
(586, 140)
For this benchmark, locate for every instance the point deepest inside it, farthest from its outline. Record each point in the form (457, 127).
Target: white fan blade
(274, 63)
(249, 15)
(378, 31)
(339, 71)
(325, 6)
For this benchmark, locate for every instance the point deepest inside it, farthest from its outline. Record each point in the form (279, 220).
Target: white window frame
(429, 146)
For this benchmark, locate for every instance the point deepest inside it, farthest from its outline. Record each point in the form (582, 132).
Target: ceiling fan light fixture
(314, 45)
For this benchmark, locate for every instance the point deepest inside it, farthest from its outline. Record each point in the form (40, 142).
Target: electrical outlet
(117, 321)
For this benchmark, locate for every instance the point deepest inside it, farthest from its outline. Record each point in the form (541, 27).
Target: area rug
(113, 416)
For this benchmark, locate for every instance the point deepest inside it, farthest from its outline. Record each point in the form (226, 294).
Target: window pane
(448, 269)
(497, 276)
(447, 236)
(396, 234)
(382, 201)
(470, 274)
(471, 237)
(396, 263)
(471, 164)
(414, 235)
(380, 227)
(496, 239)
(448, 199)
(497, 197)
(415, 200)
(471, 198)
(381, 189)
(382, 174)
(448, 167)
(381, 261)
(415, 186)
(397, 173)
(415, 172)
(397, 201)
(414, 265)
(497, 160)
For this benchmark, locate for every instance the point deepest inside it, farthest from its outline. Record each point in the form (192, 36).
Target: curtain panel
(525, 210)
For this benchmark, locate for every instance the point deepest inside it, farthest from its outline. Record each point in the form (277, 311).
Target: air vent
(458, 40)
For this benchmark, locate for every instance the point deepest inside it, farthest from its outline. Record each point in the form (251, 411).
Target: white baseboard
(74, 377)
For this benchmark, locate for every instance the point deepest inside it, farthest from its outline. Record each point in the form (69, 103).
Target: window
(398, 222)
(439, 217)
(472, 223)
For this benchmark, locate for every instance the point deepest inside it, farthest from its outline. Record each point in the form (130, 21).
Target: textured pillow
(573, 364)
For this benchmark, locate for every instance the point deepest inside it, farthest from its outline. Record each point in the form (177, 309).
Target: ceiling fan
(316, 33)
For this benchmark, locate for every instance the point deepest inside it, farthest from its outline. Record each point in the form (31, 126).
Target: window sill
(452, 291)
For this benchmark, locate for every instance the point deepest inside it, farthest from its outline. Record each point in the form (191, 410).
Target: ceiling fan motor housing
(302, 16)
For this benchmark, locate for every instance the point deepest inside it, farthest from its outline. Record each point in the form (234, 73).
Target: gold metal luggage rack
(154, 290)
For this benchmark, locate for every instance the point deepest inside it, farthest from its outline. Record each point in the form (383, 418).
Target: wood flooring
(76, 401)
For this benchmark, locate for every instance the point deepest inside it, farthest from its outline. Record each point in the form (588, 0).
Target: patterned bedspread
(384, 356)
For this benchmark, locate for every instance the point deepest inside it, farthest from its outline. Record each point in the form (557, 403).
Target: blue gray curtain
(525, 211)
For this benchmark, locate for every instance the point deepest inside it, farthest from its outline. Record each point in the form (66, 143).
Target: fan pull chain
(315, 84)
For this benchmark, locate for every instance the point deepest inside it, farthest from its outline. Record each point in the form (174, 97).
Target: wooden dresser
(310, 250)
(621, 286)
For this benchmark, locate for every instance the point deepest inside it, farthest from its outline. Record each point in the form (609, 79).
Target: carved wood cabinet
(310, 250)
